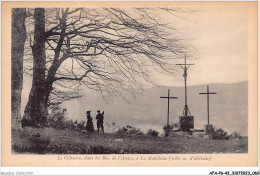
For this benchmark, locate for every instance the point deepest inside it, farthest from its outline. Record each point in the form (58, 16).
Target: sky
(219, 36)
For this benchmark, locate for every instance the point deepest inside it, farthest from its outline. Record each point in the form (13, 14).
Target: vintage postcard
(129, 84)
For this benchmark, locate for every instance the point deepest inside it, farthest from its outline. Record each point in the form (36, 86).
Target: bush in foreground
(153, 133)
(219, 134)
(170, 128)
(130, 130)
(236, 135)
(57, 117)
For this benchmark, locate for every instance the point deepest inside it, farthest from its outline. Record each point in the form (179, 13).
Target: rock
(84, 131)
(118, 140)
(238, 151)
(206, 137)
(121, 151)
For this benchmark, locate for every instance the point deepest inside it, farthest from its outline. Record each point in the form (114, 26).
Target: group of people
(100, 121)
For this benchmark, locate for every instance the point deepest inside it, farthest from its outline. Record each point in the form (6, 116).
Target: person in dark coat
(100, 120)
(89, 126)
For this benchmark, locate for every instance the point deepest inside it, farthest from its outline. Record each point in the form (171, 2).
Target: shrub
(69, 124)
(57, 117)
(81, 125)
(111, 127)
(219, 134)
(130, 130)
(122, 130)
(166, 130)
(170, 128)
(175, 125)
(152, 132)
(236, 135)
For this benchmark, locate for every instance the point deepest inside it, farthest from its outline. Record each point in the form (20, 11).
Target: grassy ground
(57, 141)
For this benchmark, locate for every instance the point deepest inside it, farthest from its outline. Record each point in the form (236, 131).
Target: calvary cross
(169, 105)
(208, 99)
(185, 74)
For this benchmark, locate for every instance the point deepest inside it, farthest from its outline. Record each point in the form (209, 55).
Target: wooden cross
(169, 105)
(208, 99)
(185, 74)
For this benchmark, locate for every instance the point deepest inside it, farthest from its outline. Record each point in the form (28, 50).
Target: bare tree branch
(109, 50)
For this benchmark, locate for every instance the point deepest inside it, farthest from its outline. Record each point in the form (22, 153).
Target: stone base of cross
(208, 129)
(186, 123)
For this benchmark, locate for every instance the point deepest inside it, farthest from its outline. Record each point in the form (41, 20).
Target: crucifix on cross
(185, 68)
(168, 97)
(207, 93)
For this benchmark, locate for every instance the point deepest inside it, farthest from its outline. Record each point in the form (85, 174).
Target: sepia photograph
(130, 82)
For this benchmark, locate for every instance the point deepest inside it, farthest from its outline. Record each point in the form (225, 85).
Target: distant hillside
(228, 108)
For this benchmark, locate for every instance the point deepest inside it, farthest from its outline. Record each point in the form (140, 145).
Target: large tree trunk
(36, 109)
(18, 40)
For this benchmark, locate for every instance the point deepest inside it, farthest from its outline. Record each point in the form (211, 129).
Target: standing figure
(89, 126)
(100, 120)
